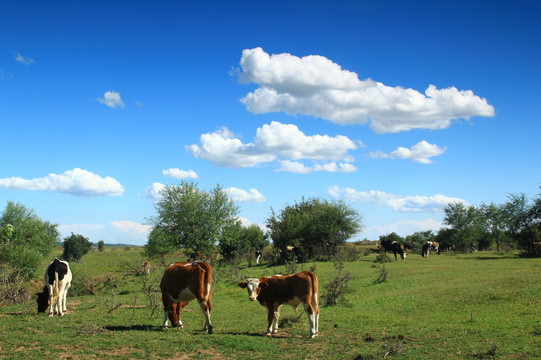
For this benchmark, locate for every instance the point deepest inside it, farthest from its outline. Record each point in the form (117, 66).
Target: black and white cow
(57, 282)
(394, 246)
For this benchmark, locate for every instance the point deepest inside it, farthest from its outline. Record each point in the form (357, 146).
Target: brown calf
(272, 292)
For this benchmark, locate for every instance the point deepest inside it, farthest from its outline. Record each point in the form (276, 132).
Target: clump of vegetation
(489, 354)
(382, 275)
(101, 245)
(383, 258)
(337, 288)
(75, 247)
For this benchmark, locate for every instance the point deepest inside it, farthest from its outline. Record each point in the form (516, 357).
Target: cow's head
(254, 286)
(403, 255)
(43, 300)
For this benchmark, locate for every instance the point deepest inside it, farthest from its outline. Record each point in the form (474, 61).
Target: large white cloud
(416, 203)
(273, 141)
(77, 182)
(421, 153)
(112, 99)
(314, 85)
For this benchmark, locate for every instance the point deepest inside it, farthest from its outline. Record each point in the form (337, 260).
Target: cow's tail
(55, 287)
(315, 291)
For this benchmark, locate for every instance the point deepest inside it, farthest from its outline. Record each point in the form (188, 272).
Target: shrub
(75, 247)
(337, 288)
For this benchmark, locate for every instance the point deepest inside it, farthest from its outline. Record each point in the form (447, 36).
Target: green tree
(237, 240)
(101, 245)
(464, 221)
(75, 247)
(25, 239)
(319, 227)
(419, 238)
(190, 219)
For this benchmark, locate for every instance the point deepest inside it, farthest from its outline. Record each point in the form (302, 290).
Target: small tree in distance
(101, 245)
(75, 247)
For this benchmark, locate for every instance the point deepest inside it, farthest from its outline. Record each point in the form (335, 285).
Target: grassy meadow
(464, 306)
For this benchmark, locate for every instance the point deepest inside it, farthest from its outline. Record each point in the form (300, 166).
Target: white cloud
(180, 174)
(239, 195)
(23, 59)
(416, 203)
(300, 168)
(273, 141)
(113, 232)
(76, 182)
(112, 99)
(403, 228)
(153, 192)
(421, 153)
(314, 85)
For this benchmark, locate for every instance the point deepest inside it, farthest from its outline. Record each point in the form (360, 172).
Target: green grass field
(464, 306)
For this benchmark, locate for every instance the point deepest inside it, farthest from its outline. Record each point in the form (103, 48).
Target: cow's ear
(263, 285)
(243, 284)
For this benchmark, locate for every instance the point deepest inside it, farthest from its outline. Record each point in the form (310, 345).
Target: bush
(75, 247)
(101, 245)
(337, 288)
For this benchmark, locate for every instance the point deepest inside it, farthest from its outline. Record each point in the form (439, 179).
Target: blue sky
(394, 107)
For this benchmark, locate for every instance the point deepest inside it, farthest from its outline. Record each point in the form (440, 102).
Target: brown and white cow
(181, 283)
(274, 291)
(57, 282)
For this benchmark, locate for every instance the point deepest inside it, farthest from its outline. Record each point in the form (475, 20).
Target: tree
(75, 247)
(419, 238)
(316, 226)
(25, 239)
(189, 219)
(238, 240)
(464, 221)
(101, 245)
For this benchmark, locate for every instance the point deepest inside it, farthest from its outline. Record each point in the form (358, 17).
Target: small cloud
(239, 195)
(112, 99)
(300, 168)
(23, 60)
(77, 182)
(154, 192)
(180, 174)
(421, 153)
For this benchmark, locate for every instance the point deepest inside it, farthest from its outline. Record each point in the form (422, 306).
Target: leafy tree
(318, 227)
(392, 237)
(464, 221)
(189, 219)
(493, 222)
(238, 240)
(25, 239)
(101, 245)
(419, 238)
(75, 247)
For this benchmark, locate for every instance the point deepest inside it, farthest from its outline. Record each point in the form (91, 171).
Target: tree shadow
(133, 328)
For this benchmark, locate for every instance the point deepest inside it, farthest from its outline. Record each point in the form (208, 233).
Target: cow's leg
(169, 312)
(276, 316)
(64, 308)
(206, 307)
(313, 318)
(270, 319)
(51, 298)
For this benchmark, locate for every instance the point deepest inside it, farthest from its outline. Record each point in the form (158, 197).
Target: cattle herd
(183, 282)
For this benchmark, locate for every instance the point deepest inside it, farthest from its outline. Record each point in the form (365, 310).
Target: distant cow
(257, 256)
(146, 268)
(272, 292)
(181, 283)
(57, 282)
(394, 246)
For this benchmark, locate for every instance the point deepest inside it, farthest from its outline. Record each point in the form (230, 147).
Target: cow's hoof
(313, 336)
(210, 330)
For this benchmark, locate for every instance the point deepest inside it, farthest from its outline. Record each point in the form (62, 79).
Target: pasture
(464, 306)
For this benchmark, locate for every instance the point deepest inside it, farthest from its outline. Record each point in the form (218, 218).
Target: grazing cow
(426, 249)
(272, 292)
(57, 282)
(146, 268)
(257, 256)
(181, 283)
(430, 245)
(394, 246)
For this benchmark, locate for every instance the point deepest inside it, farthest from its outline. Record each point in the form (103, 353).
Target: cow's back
(181, 276)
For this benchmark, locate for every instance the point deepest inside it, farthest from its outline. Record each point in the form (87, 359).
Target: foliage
(190, 219)
(101, 245)
(318, 227)
(419, 238)
(75, 247)
(237, 240)
(338, 287)
(392, 237)
(25, 239)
